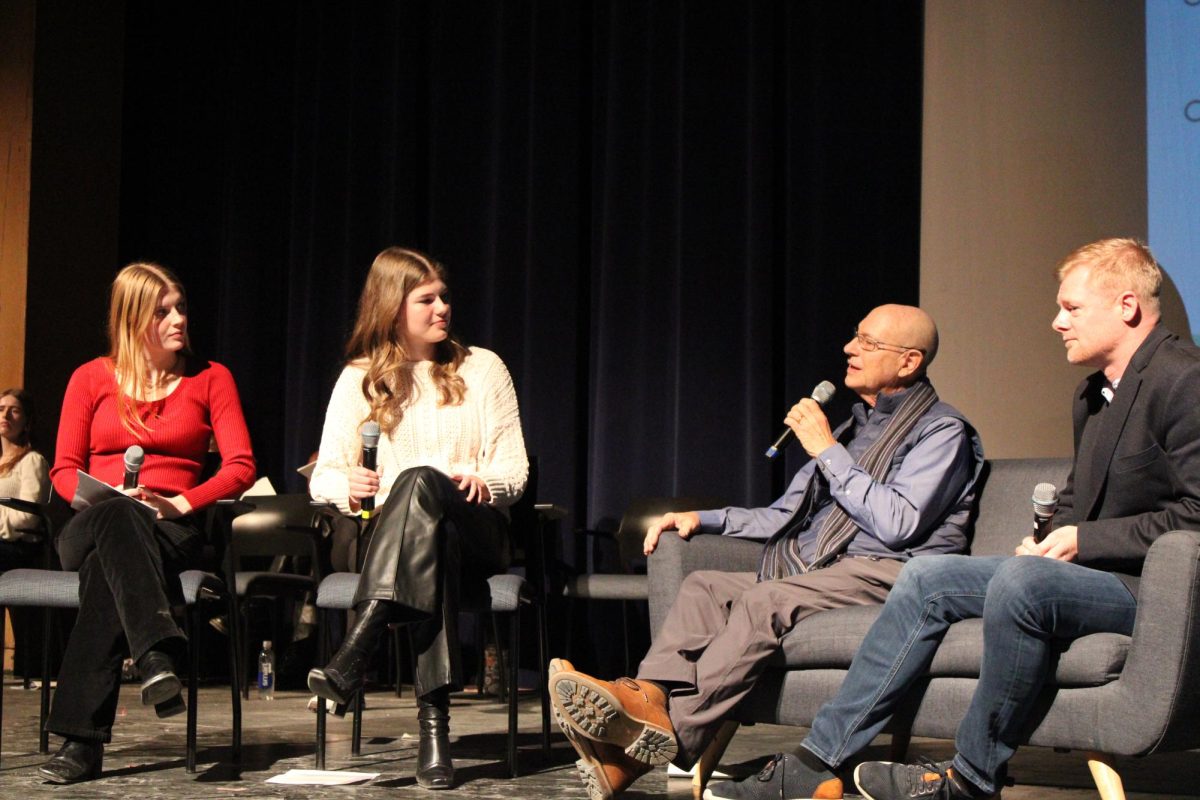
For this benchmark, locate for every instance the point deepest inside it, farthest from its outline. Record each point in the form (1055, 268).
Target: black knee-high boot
(435, 770)
(343, 675)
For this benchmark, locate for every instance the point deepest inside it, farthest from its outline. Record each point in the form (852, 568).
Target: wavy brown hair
(131, 307)
(377, 339)
(26, 443)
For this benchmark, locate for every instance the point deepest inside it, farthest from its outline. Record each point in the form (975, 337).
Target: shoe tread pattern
(598, 716)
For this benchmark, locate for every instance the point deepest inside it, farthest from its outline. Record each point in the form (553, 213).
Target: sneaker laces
(768, 771)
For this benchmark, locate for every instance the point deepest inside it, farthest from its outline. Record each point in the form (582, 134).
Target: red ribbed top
(203, 405)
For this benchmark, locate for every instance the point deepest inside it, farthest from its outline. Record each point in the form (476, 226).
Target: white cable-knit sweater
(482, 436)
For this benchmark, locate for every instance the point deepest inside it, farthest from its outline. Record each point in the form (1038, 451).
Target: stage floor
(146, 759)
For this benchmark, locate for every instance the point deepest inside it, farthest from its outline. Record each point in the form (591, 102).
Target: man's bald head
(892, 350)
(909, 326)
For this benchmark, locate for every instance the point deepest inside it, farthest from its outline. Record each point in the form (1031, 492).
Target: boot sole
(595, 713)
(161, 688)
(320, 684)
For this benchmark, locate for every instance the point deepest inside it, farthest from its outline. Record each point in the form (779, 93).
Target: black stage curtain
(665, 216)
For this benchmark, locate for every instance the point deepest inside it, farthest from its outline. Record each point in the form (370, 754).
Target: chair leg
(396, 657)
(43, 734)
(514, 642)
(898, 751)
(1108, 782)
(235, 681)
(193, 671)
(711, 757)
(625, 636)
(543, 687)
(322, 636)
(356, 724)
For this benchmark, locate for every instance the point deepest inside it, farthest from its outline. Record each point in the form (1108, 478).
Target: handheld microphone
(822, 394)
(1045, 503)
(134, 457)
(370, 445)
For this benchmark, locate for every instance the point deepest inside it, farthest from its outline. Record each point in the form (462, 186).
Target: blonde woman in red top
(150, 391)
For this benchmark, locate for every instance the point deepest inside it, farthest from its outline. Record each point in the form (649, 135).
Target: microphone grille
(370, 434)
(1045, 496)
(824, 392)
(134, 457)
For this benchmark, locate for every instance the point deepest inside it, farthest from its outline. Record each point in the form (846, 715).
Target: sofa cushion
(830, 639)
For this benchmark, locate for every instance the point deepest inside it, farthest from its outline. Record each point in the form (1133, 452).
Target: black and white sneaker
(785, 777)
(925, 780)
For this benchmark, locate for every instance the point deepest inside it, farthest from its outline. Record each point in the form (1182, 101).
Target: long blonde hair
(134, 299)
(26, 443)
(388, 384)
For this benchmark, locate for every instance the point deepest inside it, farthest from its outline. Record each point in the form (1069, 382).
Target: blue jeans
(1029, 606)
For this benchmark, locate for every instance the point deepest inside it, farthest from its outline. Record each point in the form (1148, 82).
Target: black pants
(427, 547)
(128, 574)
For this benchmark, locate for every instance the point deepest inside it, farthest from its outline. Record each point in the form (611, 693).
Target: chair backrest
(522, 515)
(279, 525)
(642, 512)
(1005, 514)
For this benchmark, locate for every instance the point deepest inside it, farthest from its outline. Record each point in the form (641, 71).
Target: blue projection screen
(1173, 144)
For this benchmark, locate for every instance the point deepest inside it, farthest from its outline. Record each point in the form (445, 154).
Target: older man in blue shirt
(894, 481)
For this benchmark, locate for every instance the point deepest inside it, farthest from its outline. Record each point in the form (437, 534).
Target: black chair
(629, 584)
(50, 589)
(275, 528)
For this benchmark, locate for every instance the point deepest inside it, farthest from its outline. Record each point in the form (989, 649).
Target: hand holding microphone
(820, 395)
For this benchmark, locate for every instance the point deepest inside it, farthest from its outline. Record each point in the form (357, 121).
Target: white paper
(261, 488)
(89, 491)
(307, 470)
(322, 777)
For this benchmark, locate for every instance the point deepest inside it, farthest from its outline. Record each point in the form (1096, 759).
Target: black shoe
(159, 682)
(75, 761)
(883, 780)
(343, 675)
(785, 775)
(435, 770)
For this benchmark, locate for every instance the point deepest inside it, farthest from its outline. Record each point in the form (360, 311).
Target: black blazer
(1137, 475)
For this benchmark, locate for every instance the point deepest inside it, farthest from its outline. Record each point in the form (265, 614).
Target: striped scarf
(781, 555)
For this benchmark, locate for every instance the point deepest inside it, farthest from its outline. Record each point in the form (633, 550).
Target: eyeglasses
(871, 344)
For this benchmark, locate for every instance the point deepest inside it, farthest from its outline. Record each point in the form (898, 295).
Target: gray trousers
(723, 626)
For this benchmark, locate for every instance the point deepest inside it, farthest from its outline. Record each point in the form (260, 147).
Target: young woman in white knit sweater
(451, 458)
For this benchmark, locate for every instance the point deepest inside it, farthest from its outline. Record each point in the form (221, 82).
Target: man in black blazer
(1136, 476)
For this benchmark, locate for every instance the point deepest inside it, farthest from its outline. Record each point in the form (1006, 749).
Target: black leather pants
(427, 547)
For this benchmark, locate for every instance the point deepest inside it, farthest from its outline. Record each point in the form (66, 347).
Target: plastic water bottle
(266, 672)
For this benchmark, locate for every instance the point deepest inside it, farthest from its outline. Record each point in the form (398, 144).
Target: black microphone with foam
(822, 394)
(134, 457)
(1045, 503)
(370, 450)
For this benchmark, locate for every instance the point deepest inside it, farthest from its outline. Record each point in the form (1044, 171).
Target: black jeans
(427, 547)
(128, 575)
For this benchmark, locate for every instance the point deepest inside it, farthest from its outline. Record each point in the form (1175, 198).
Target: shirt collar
(885, 405)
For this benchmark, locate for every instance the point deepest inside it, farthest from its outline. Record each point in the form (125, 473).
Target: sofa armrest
(674, 558)
(1157, 697)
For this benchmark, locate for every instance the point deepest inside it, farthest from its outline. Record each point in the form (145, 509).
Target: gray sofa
(1112, 694)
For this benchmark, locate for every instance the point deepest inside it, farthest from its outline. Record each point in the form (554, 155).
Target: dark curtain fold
(666, 217)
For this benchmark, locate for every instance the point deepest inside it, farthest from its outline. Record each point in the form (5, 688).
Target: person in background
(24, 475)
(452, 448)
(151, 391)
